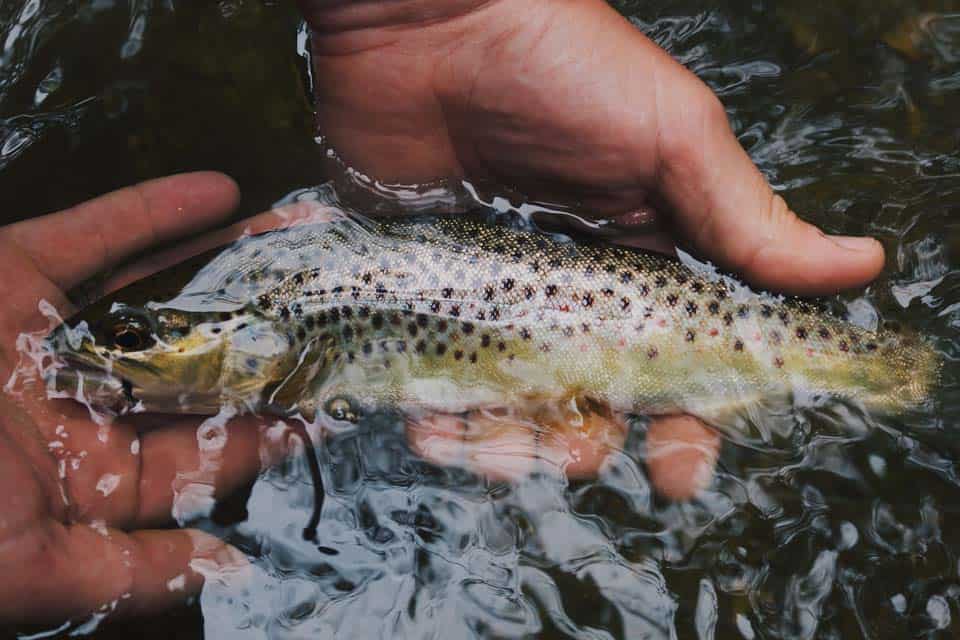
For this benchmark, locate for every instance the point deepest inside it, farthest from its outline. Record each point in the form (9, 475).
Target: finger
(55, 571)
(726, 209)
(503, 445)
(278, 218)
(129, 479)
(69, 246)
(681, 455)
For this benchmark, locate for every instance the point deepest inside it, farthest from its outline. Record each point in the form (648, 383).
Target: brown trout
(448, 314)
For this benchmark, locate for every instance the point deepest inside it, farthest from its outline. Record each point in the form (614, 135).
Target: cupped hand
(82, 503)
(566, 101)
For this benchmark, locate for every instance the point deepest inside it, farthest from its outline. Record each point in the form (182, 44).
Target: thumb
(726, 209)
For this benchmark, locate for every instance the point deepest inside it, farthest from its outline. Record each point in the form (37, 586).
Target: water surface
(820, 530)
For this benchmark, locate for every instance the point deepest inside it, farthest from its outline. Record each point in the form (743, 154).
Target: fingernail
(855, 243)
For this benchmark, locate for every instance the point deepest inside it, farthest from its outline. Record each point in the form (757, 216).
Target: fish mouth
(89, 383)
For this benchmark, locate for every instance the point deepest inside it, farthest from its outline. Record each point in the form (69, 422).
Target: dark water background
(852, 108)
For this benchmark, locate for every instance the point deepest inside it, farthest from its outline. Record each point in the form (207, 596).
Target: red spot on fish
(714, 332)
(662, 322)
(565, 308)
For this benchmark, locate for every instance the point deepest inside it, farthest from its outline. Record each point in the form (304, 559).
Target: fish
(341, 317)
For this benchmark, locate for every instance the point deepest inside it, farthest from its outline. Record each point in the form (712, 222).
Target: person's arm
(563, 100)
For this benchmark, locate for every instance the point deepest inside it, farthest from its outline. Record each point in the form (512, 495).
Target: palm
(77, 495)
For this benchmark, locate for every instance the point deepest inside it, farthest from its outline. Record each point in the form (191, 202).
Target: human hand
(568, 102)
(80, 502)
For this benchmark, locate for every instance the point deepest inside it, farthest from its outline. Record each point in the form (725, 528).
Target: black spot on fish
(302, 334)
(422, 320)
(691, 308)
(367, 278)
(784, 317)
(681, 278)
(660, 282)
(377, 320)
(334, 315)
(225, 315)
(691, 336)
(263, 302)
(525, 333)
(421, 346)
(337, 289)
(467, 328)
(347, 332)
(455, 311)
(626, 276)
(458, 355)
(401, 346)
(442, 325)
(713, 307)
(441, 348)
(473, 357)
(298, 278)
(435, 306)
(485, 340)
(556, 263)
(824, 333)
(568, 331)
(607, 292)
(363, 312)
(501, 346)
(488, 294)
(284, 312)
(351, 356)
(644, 290)
(766, 311)
(481, 315)
(778, 362)
(447, 292)
(843, 346)
(544, 348)
(507, 284)
(588, 300)
(738, 345)
(743, 311)
(624, 303)
(728, 319)
(529, 292)
(551, 290)
(801, 333)
(494, 313)
(535, 266)
(697, 286)
(775, 337)
(395, 319)
(871, 346)
(251, 363)
(412, 330)
(367, 348)
(652, 353)
(321, 319)
(347, 312)
(585, 327)
(672, 299)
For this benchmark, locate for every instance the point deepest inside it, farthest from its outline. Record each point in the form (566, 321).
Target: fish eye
(131, 334)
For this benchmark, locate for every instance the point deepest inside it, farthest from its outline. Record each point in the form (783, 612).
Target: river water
(852, 110)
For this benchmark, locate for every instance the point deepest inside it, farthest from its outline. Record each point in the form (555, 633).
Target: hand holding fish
(568, 102)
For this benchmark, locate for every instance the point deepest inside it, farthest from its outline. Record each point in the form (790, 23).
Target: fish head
(128, 357)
